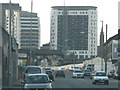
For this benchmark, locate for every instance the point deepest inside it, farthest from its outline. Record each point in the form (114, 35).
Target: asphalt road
(70, 82)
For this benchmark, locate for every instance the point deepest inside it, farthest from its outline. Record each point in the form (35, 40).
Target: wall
(0, 47)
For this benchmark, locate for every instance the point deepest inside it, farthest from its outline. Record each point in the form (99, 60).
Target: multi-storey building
(30, 30)
(74, 28)
(15, 16)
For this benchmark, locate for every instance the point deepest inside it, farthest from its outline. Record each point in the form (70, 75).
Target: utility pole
(101, 46)
(31, 34)
(65, 29)
(106, 51)
(10, 61)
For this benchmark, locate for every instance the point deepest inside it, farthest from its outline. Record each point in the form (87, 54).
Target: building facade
(119, 15)
(15, 19)
(30, 30)
(74, 28)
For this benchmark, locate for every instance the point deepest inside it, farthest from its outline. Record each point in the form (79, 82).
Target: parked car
(33, 70)
(116, 75)
(60, 73)
(36, 81)
(50, 74)
(48, 68)
(100, 77)
(87, 72)
(78, 74)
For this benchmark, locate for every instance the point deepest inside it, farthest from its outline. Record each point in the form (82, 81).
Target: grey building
(30, 30)
(9, 69)
(15, 16)
(74, 28)
(110, 49)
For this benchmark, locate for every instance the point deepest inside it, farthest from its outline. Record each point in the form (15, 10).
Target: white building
(74, 28)
(99, 64)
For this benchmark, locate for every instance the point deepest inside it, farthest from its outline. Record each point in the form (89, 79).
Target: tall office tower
(74, 28)
(30, 30)
(15, 16)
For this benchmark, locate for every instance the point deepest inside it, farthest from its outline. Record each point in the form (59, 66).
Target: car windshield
(32, 70)
(100, 74)
(78, 71)
(87, 70)
(37, 79)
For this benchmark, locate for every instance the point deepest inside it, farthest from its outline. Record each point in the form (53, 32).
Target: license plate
(101, 80)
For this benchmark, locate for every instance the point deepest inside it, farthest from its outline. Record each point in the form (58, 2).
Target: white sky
(107, 11)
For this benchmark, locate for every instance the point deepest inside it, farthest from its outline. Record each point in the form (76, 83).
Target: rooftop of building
(75, 7)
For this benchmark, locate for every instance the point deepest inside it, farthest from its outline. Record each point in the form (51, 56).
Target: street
(70, 82)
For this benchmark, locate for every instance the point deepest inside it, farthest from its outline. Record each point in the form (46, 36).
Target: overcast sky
(107, 11)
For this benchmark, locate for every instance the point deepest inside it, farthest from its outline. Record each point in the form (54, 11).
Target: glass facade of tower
(76, 25)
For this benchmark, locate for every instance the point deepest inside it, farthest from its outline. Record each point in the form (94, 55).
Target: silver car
(100, 77)
(78, 74)
(36, 81)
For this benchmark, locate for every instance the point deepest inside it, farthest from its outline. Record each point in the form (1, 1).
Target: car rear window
(32, 70)
(100, 74)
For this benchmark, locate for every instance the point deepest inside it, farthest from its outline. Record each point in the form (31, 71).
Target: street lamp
(10, 61)
(106, 51)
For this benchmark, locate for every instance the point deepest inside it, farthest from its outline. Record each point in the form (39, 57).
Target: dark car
(87, 72)
(50, 74)
(60, 73)
(117, 75)
(111, 73)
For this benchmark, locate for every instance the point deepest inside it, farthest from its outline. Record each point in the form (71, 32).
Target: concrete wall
(0, 47)
(0, 58)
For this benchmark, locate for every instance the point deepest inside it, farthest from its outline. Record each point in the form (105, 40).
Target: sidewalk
(18, 84)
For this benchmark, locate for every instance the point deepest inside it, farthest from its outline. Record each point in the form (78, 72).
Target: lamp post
(10, 62)
(106, 51)
(31, 33)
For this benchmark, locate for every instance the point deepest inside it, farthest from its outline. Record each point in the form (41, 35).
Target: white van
(33, 70)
